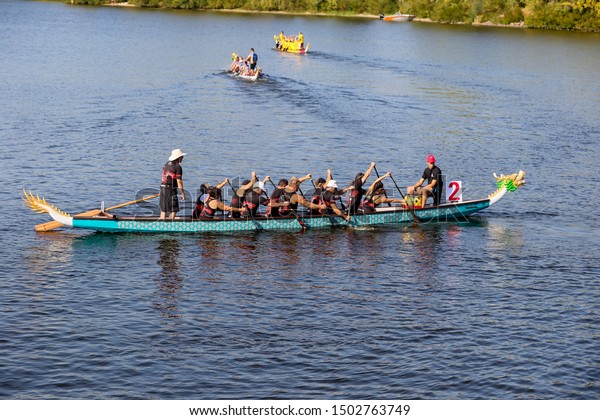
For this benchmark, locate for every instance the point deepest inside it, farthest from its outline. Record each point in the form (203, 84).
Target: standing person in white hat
(171, 180)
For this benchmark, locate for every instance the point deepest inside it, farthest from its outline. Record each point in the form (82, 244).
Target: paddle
(412, 208)
(48, 226)
(302, 224)
(234, 193)
(385, 193)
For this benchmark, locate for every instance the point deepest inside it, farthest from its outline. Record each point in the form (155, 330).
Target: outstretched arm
(310, 205)
(304, 178)
(339, 212)
(368, 172)
(245, 187)
(224, 207)
(381, 178)
(388, 200)
(222, 184)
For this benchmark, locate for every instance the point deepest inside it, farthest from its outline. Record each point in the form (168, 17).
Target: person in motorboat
(356, 195)
(171, 180)
(329, 197)
(376, 195)
(433, 175)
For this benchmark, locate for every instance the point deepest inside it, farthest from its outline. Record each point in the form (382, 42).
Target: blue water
(504, 306)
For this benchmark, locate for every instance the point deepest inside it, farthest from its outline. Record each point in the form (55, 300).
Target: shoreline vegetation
(572, 15)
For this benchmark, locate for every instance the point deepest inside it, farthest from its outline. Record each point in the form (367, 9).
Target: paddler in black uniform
(255, 198)
(277, 197)
(239, 195)
(329, 197)
(213, 203)
(293, 198)
(376, 195)
(356, 195)
(317, 196)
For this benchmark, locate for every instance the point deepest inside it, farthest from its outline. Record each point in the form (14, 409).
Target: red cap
(430, 159)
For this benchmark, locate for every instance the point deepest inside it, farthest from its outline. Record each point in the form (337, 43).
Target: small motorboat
(397, 17)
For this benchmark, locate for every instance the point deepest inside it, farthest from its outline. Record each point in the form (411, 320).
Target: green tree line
(581, 15)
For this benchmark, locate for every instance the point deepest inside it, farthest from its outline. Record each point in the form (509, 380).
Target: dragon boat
(104, 222)
(255, 76)
(290, 46)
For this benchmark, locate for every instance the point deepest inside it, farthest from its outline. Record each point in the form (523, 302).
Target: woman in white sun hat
(171, 181)
(329, 197)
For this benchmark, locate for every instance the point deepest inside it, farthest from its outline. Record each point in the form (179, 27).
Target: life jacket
(368, 204)
(275, 198)
(252, 203)
(285, 210)
(328, 199)
(254, 58)
(316, 199)
(198, 209)
(237, 202)
(353, 200)
(207, 211)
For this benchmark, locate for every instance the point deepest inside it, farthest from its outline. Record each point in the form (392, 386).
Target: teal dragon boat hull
(384, 216)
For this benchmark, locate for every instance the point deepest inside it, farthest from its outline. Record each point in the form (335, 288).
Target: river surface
(505, 306)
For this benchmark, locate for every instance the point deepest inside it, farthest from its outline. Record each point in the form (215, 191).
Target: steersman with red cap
(433, 175)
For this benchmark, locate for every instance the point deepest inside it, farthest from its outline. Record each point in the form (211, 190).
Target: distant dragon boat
(241, 71)
(104, 222)
(255, 76)
(292, 47)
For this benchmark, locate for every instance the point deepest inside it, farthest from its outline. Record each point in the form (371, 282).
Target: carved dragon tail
(40, 205)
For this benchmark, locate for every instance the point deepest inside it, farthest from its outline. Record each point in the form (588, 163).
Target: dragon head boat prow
(40, 205)
(505, 184)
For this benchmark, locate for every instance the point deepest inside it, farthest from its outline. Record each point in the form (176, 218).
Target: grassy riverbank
(579, 15)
